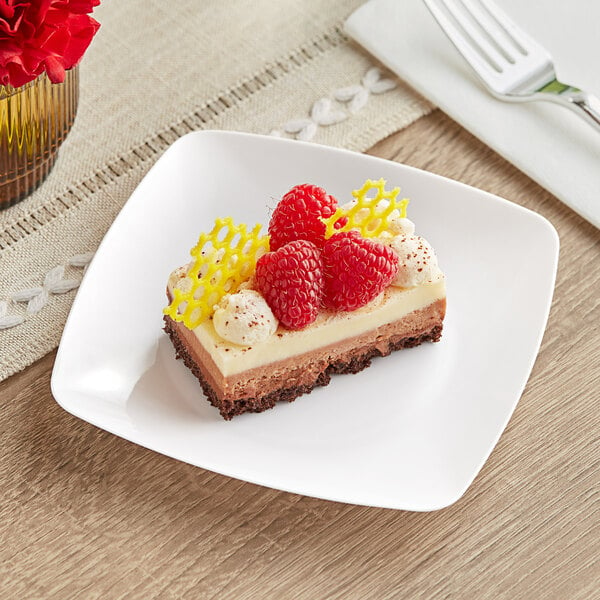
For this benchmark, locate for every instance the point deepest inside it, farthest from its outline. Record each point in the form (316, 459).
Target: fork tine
(522, 41)
(480, 41)
(472, 56)
(493, 29)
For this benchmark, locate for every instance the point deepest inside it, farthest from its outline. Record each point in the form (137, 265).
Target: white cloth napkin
(548, 142)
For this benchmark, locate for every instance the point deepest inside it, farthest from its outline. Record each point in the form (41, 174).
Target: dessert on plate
(263, 318)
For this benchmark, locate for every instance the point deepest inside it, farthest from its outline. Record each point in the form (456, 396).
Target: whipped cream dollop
(417, 261)
(400, 225)
(244, 318)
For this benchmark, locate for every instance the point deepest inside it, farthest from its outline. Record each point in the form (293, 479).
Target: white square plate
(410, 432)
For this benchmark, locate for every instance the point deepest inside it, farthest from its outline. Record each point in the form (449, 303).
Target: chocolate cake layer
(258, 389)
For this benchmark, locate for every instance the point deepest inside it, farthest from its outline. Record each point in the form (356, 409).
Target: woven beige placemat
(157, 71)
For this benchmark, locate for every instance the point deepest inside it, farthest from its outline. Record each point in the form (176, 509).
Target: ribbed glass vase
(34, 121)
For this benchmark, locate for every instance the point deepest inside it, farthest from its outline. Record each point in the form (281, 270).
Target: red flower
(43, 35)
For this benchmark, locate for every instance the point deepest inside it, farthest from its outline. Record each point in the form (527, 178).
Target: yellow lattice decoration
(223, 259)
(368, 215)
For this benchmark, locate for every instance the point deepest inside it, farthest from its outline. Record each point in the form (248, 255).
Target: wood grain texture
(85, 514)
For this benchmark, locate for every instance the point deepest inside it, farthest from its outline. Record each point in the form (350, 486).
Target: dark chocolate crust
(231, 408)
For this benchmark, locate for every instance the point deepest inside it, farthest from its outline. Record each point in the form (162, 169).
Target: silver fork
(512, 65)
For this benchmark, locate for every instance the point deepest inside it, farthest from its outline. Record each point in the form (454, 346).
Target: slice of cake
(259, 319)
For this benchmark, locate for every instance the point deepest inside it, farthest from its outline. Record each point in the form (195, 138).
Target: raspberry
(357, 270)
(298, 216)
(291, 281)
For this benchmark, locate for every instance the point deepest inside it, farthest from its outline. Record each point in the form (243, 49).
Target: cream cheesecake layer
(262, 387)
(329, 328)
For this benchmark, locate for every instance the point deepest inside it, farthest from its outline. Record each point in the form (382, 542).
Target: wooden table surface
(85, 514)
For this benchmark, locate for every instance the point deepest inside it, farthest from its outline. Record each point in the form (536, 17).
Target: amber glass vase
(34, 121)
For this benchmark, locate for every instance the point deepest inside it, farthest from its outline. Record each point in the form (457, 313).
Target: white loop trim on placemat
(324, 112)
(35, 298)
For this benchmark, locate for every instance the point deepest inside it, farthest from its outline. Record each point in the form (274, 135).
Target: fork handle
(584, 104)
